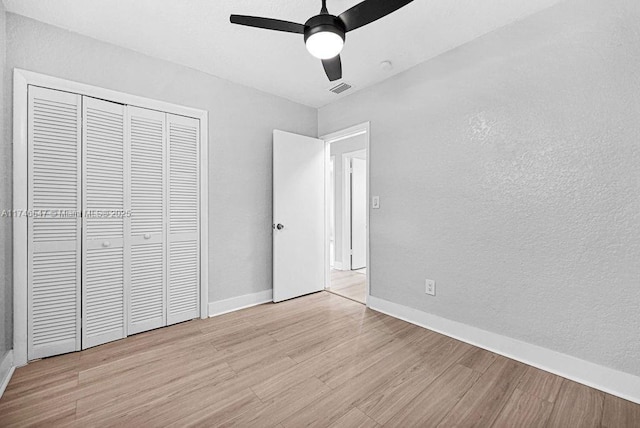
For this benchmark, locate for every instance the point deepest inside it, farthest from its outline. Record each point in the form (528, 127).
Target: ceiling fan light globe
(324, 44)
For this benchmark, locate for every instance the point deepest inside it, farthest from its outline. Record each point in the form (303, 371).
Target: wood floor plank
(300, 347)
(271, 412)
(357, 356)
(320, 360)
(478, 359)
(540, 384)
(344, 355)
(354, 418)
(577, 406)
(433, 403)
(482, 404)
(41, 374)
(388, 401)
(111, 402)
(334, 405)
(525, 411)
(620, 413)
(155, 356)
(42, 413)
(370, 319)
(413, 345)
(24, 391)
(188, 412)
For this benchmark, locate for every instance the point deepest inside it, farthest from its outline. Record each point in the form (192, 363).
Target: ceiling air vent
(340, 88)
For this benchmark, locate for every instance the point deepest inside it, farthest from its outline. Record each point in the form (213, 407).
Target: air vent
(340, 88)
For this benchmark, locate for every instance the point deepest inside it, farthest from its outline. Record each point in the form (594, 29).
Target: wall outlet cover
(430, 287)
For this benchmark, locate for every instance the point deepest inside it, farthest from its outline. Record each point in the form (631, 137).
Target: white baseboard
(337, 265)
(6, 371)
(623, 385)
(236, 303)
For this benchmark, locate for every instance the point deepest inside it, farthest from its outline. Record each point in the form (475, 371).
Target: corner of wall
(6, 371)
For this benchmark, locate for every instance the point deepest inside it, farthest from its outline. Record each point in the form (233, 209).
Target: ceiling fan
(324, 34)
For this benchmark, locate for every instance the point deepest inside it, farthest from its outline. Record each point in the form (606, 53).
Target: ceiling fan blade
(333, 68)
(368, 11)
(267, 23)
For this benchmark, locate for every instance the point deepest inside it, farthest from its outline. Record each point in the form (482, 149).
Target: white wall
(241, 121)
(5, 203)
(339, 148)
(509, 171)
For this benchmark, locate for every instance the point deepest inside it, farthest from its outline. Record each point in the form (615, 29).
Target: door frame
(333, 137)
(21, 81)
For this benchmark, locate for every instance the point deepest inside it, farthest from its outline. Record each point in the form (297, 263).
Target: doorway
(347, 213)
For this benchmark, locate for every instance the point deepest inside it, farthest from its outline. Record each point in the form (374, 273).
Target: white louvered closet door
(183, 298)
(54, 133)
(103, 264)
(147, 308)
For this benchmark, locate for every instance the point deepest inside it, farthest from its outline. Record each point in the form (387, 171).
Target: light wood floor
(320, 360)
(349, 283)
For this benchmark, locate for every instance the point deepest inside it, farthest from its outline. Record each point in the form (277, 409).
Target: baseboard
(236, 303)
(337, 265)
(623, 385)
(6, 371)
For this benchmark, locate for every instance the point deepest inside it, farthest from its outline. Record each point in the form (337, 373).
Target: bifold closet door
(183, 298)
(54, 201)
(147, 308)
(103, 264)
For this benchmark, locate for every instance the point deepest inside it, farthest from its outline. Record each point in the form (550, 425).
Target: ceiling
(197, 34)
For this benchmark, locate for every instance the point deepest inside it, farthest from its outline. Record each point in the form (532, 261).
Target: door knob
(106, 244)
(280, 226)
(147, 236)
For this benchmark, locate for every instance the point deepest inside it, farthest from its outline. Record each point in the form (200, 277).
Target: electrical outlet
(430, 287)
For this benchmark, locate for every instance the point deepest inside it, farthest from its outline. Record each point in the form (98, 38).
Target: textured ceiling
(197, 34)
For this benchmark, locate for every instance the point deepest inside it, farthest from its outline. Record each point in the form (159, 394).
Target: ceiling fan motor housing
(324, 22)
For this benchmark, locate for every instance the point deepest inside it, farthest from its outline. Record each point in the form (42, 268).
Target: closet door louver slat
(104, 276)
(147, 308)
(183, 298)
(54, 133)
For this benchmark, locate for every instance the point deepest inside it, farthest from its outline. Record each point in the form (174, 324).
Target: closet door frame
(22, 79)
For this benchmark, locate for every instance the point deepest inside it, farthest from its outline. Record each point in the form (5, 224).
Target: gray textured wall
(508, 171)
(241, 121)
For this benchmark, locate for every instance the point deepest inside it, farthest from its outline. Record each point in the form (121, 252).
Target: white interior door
(298, 215)
(54, 197)
(358, 213)
(147, 172)
(103, 265)
(183, 299)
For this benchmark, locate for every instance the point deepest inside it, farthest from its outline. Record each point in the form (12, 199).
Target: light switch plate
(375, 202)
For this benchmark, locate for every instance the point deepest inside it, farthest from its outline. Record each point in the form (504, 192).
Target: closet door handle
(147, 236)
(106, 244)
